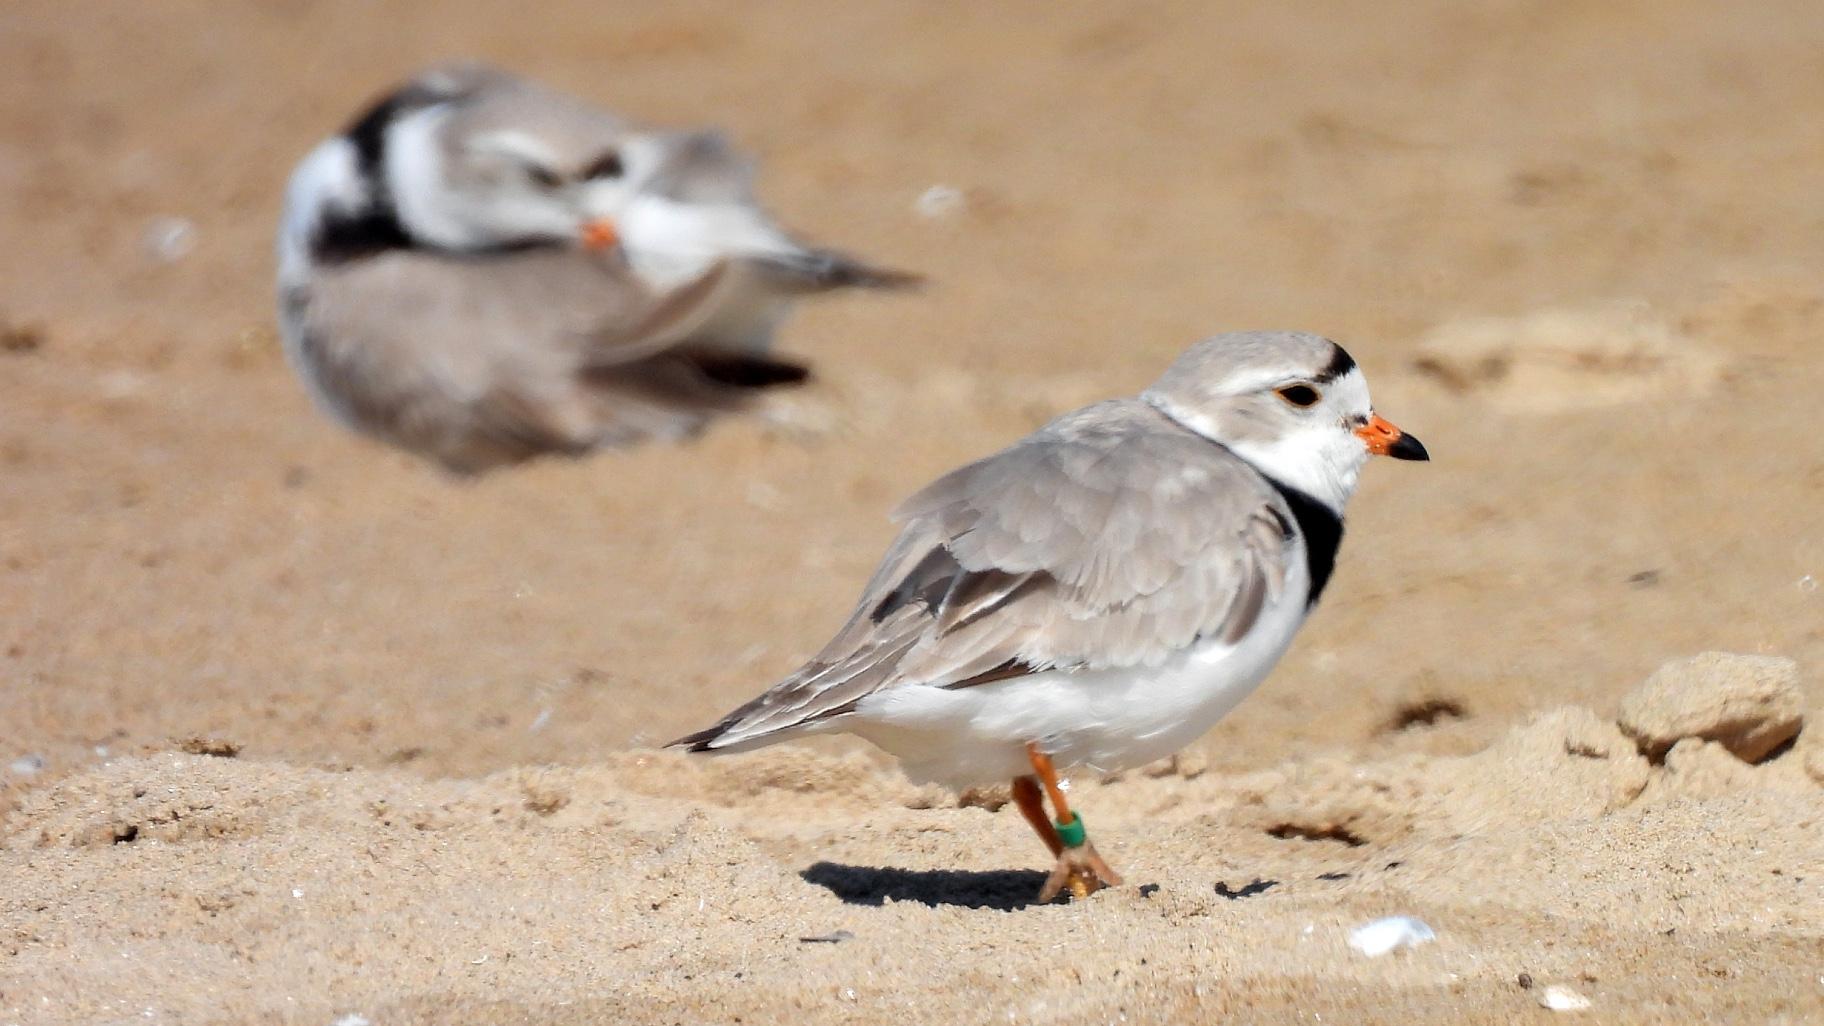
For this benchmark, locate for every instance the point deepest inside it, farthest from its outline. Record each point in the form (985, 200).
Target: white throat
(1324, 460)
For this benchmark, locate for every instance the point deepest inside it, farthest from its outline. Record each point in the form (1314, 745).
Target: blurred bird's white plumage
(480, 270)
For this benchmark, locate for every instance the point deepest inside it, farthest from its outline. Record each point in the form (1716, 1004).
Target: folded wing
(1112, 538)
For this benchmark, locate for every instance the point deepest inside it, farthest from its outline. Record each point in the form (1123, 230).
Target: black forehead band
(1340, 364)
(368, 132)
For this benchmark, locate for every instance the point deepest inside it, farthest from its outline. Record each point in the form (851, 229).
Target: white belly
(1105, 720)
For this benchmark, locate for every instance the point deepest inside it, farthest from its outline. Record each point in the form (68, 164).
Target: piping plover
(1101, 592)
(480, 270)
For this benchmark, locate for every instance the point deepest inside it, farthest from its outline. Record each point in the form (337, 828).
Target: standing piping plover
(480, 270)
(1103, 591)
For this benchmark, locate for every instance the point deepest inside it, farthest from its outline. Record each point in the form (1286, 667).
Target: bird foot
(1081, 871)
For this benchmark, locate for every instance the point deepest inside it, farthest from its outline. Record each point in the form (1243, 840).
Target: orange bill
(600, 234)
(1383, 439)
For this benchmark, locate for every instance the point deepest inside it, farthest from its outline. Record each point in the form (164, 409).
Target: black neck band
(343, 237)
(1322, 529)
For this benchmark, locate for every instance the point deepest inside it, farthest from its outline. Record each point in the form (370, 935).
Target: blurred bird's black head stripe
(368, 132)
(376, 229)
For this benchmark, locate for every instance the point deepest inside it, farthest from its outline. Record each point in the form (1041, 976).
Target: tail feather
(714, 739)
(705, 740)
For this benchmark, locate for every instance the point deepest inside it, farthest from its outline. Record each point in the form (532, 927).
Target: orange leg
(1079, 868)
(1032, 806)
(1048, 776)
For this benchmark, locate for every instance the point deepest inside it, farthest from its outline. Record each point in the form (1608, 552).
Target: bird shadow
(1005, 890)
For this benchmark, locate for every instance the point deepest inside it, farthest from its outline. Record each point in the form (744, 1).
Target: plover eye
(1300, 396)
(543, 177)
(608, 165)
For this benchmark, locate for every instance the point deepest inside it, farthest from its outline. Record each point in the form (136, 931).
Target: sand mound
(786, 884)
(1556, 360)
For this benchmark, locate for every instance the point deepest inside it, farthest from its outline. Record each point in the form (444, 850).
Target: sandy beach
(295, 729)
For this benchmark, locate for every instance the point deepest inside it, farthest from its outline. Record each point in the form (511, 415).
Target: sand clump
(1750, 705)
(1704, 769)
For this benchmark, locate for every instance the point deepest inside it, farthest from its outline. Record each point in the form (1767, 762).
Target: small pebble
(1390, 934)
(1560, 998)
(220, 748)
(26, 765)
(170, 239)
(352, 1019)
(939, 201)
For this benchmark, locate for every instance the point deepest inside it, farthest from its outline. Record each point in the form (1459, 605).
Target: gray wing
(1111, 538)
(481, 362)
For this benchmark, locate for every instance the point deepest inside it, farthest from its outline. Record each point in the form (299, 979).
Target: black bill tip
(1407, 447)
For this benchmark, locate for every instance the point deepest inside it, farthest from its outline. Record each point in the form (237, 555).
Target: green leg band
(1072, 833)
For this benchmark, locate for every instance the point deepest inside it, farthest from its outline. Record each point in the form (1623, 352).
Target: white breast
(328, 180)
(1105, 720)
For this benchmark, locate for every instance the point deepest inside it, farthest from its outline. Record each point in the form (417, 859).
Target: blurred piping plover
(1101, 592)
(480, 270)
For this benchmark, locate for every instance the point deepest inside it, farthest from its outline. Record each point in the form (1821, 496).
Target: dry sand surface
(1576, 247)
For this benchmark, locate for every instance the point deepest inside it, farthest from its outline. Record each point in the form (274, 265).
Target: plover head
(463, 160)
(1294, 405)
(506, 164)
(474, 160)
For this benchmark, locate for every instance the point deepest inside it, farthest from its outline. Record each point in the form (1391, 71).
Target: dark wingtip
(697, 742)
(743, 370)
(841, 271)
(868, 277)
(825, 269)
